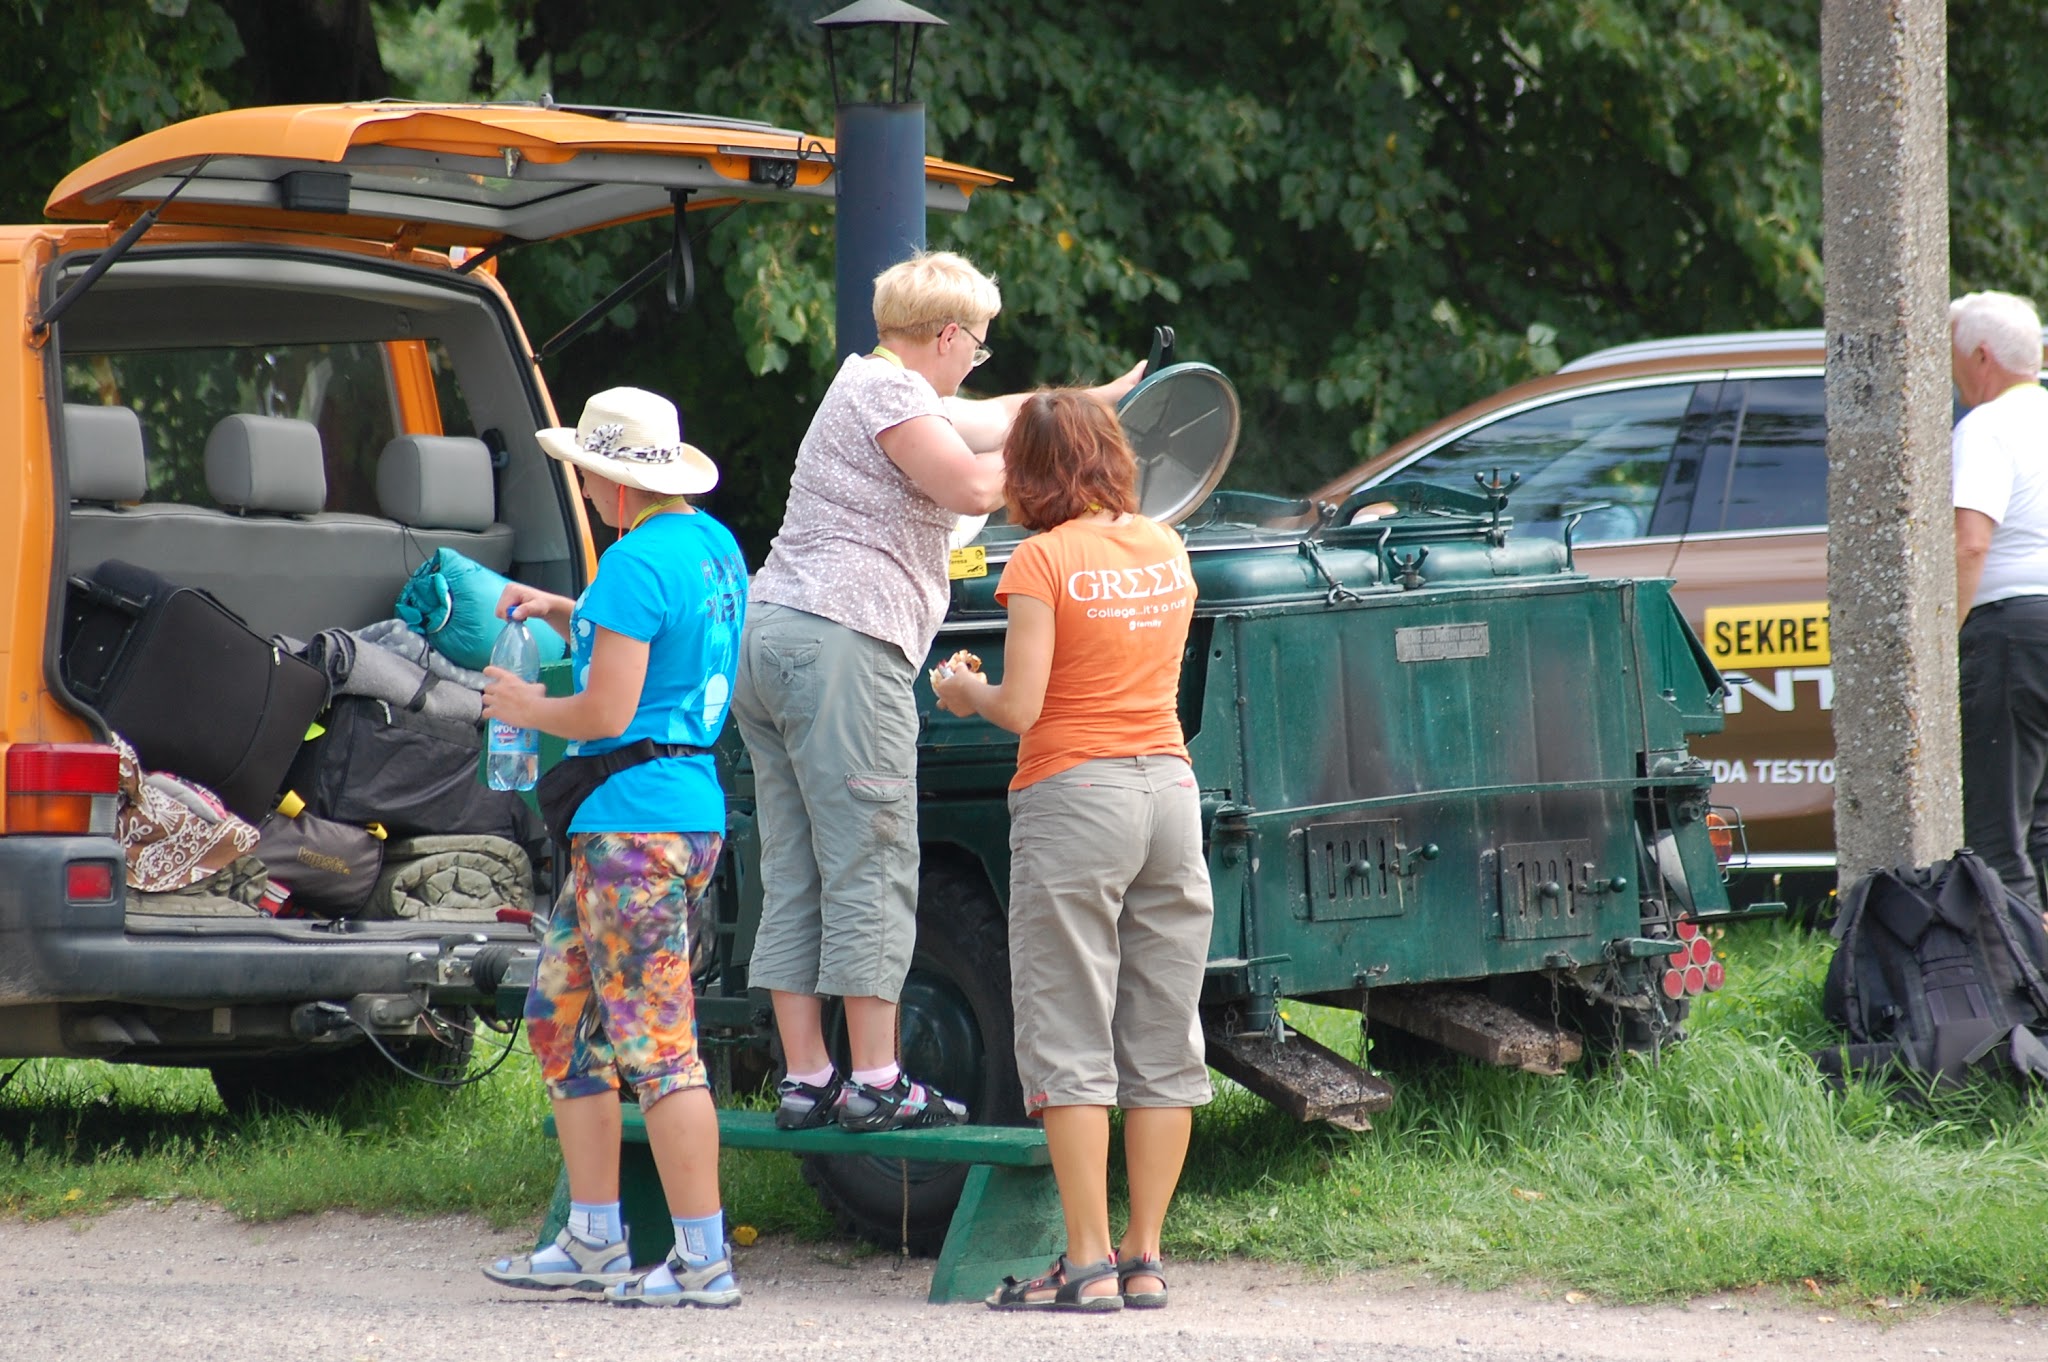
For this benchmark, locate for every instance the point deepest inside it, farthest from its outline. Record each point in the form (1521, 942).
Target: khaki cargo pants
(1110, 916)
(830, 719)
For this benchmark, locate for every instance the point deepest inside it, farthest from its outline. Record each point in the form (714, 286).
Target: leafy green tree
(1367, 212)
(79, 76)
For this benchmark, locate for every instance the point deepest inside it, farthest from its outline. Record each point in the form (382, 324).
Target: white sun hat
(635, 438)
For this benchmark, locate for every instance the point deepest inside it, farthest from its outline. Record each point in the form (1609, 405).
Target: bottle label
(507, 737)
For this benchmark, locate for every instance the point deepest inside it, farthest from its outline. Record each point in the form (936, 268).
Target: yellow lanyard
(884, 352)
(653, 510)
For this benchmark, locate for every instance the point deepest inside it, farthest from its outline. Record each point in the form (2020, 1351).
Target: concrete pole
(1891, 529)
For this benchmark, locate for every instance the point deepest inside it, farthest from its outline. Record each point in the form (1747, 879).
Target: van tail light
(62, 788)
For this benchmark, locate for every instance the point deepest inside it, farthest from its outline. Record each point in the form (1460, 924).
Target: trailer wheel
(957, 1033)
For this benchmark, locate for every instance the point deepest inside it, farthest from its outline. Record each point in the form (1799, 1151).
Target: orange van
(328, 267)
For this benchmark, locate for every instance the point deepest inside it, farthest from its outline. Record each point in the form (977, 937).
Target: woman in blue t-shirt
(653, 643)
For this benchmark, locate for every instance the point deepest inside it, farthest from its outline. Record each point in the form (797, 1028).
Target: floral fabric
(612, 997)
(173, 833)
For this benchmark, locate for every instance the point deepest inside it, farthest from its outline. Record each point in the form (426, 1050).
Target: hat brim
(687, 475)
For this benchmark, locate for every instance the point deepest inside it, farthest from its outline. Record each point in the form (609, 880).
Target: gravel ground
(167, 1284)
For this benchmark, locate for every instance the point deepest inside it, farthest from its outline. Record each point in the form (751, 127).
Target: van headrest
(103, 453)
(266, 463)
(437, 482)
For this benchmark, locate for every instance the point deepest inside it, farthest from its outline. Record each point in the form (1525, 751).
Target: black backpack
(1938, 970)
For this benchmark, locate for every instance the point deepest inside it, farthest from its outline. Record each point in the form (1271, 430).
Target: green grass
(1721, 1164)
(81, 1136)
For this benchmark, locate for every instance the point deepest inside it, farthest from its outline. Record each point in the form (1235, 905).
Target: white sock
(816, 1080)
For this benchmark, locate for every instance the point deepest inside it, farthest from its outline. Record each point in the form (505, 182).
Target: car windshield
(1604, 450)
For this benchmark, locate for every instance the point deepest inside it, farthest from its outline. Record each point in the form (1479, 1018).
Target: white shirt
(1998, 458)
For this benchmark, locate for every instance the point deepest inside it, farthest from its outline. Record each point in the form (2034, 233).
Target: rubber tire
(962, 957)
(326, 1082)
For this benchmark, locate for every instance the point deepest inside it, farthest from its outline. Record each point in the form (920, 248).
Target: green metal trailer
(1445, 783)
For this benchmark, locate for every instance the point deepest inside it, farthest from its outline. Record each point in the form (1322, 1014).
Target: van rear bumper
(56, 951)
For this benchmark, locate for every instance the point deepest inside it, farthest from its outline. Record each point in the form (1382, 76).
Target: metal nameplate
(1438, 642)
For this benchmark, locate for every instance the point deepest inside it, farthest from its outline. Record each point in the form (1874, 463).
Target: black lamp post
(879, 171)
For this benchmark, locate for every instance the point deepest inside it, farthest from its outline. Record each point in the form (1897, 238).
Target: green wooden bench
(1007, 1224)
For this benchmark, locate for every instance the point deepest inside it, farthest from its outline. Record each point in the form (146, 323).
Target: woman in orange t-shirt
(1109, 890)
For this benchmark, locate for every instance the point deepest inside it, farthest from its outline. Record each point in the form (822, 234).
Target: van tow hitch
(470, 969)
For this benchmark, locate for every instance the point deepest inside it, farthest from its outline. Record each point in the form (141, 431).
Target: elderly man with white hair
(1999, 461)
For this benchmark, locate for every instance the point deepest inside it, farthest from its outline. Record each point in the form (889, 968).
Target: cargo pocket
(887, 799)
(787, 660)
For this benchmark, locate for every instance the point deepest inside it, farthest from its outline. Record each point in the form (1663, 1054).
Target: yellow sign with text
(1780, 635)
(971, 561)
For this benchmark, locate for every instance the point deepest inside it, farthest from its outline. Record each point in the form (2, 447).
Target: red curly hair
(1066, 456)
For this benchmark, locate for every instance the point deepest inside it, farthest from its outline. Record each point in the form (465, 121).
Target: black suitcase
(191, 687)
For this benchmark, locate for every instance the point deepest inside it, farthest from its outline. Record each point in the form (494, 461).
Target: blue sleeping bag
(453, 602)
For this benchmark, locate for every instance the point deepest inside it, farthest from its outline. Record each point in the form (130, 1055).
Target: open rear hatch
(152, 337)
(457, 175)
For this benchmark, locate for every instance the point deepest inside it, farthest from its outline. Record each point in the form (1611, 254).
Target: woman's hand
(957, 689)
(519, 601)
(510, 699)
(1118, 388)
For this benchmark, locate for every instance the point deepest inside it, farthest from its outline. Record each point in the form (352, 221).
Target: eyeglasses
(982, 354)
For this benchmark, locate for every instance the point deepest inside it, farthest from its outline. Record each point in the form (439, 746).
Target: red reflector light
(1716, 976)
(1687, 929)
(1700, 952)
(38, 768)
(1674, 983)
(1695, 980)
(89, 881)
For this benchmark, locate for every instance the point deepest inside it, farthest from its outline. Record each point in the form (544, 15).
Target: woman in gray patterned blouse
(839, 620)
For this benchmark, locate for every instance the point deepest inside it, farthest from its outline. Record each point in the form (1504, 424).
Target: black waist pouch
(572, 780)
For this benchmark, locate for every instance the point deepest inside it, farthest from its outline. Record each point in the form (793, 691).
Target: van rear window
(345, 389)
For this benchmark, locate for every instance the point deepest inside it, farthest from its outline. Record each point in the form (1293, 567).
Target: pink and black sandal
(1066, 1282)
(1144, 1265)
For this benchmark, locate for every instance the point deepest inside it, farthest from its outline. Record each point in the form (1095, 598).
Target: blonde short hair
(918, 296)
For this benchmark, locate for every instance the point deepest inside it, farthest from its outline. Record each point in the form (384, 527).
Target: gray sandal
(693, 1286)
(1065, 1281)
(1144, 1265)
(590, 1267)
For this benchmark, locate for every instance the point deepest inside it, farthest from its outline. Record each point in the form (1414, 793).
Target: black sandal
(1144, 1265)
(1066, 1281)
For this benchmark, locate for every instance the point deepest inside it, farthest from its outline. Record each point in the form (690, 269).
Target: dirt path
(163, 1285)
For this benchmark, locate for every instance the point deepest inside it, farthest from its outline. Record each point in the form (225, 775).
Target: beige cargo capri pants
(1110, 915)
(830, 720)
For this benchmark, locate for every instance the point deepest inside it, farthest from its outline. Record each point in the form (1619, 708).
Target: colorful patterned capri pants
(611, 996)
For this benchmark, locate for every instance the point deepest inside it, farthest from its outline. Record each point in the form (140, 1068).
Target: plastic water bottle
(511, 754)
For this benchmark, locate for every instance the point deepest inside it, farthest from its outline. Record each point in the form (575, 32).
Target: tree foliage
(1367, 212)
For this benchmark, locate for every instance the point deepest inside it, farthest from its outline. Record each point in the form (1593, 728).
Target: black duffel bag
(415, 775)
